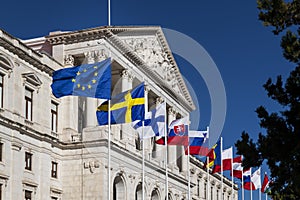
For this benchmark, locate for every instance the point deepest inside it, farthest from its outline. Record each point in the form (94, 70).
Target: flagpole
(166, 151)
(222, 168)
(251, 187)
(242, 184)
(232, 174)
(143, 176)
(259, 192)
(189, 178)
(207, 169)
(266, 196)
(109, 156)
(109, 13)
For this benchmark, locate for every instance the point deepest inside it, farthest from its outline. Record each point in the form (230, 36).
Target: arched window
(119, 192)
(155, 195)
(139, 192)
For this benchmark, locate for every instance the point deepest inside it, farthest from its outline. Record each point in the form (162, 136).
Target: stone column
(172, 148)
(126, 80)
(127, 130)
(159, 152)
(69, 108)
(16, 161)
(147, 143)
(91, 103)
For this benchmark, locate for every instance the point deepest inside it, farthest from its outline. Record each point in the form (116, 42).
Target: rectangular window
(205, 190)
(54, 108)
(28, 103)
(217, 194)
(28, 161)
(0, 191)
(1, 90)
(1, 151)
(54, 170)
(28, 195)
(54, 198)
(211, 193)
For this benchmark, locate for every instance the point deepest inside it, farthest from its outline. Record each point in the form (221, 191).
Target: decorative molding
(17, 146)
(32, 80)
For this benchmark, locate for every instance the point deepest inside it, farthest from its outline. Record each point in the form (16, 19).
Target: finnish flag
(154, 124)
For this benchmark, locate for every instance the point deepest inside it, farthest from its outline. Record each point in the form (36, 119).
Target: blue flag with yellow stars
(125, 107)
(89, 80)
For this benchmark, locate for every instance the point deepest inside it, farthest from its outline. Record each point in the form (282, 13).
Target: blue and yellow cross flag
(89, 80)
(125, 107)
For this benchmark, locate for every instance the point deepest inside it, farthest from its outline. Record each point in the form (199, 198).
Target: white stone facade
(71, 162)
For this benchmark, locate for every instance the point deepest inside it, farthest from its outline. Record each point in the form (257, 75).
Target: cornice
(24, 52)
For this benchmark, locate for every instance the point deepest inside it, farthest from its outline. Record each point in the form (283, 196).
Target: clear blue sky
(245, 52)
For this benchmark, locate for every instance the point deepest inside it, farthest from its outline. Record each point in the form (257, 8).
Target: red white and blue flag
(178, 134)
(197, 140)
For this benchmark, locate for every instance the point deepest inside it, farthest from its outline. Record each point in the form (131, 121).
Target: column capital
(89, 57)
(100, 55)
(126, 74)
(68, 60)
(171, 111)
(159, 100)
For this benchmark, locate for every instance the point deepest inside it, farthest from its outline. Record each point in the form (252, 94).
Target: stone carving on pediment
(150, 51)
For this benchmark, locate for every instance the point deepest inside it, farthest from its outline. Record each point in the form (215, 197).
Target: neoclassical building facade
(54, 149)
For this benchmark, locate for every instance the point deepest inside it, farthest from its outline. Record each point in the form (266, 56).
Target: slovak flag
(178, 134)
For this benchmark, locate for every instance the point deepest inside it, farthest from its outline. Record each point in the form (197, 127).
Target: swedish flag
(125, 107)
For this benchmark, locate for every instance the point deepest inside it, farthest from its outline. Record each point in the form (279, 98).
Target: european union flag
(125, 107)
(89, 80)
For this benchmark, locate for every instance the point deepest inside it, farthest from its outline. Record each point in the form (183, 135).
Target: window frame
(54, 113)
(27, 100)
(1, 90)
(30, 195)
(1, 152)
(54, 169)
(28, 161)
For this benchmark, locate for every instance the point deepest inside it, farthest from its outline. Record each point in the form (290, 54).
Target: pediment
(150, 46)
(32, 78)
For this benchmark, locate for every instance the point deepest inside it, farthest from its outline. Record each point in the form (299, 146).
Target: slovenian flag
(196, 141)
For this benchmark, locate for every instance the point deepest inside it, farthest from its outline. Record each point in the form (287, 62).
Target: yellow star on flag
(89, 86)
(94, 81)
(73, 80)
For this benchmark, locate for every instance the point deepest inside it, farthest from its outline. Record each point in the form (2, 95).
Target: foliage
(280, 145)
